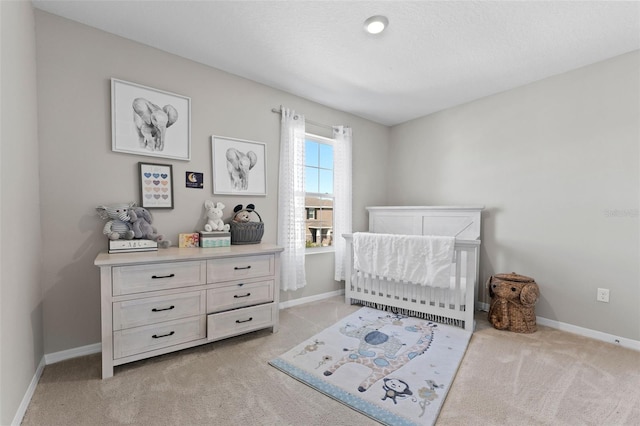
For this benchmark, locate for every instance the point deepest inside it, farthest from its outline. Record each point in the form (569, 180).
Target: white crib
(454, 305)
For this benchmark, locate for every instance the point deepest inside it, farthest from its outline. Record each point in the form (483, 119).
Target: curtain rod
(326, 126)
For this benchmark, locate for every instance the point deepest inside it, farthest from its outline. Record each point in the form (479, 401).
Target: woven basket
(247, 232)
(515, 314)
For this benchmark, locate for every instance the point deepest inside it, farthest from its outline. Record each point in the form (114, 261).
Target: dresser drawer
(151, 310)
(149, 337)
(157, 276)
(231, 323)
(236, 268)
(239, 295)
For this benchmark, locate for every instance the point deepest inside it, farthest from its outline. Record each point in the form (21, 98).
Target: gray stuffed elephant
(141, 220)
(119, 226)
(238, 165)
(152, 122)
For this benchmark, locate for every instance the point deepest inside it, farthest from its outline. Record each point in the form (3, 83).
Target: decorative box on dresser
(158, 302)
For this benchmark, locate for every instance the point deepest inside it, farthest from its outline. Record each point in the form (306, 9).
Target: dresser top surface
(183, 254)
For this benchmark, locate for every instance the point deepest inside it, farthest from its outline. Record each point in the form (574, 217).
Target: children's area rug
(392, 368)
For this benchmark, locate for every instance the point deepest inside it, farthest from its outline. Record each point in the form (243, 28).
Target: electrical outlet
(603, 295)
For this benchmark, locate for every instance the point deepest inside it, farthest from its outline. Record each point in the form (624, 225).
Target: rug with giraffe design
(390, 367)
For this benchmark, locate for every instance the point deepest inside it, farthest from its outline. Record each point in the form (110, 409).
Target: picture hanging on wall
(156, 185)
(194, 180)
(147, 121)
(239, 166)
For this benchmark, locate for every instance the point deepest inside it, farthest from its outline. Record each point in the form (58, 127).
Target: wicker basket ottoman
(513, 299)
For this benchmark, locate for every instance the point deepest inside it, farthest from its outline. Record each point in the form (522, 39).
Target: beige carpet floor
(546, 378)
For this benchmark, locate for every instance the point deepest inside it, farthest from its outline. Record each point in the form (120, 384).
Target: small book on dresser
(129, 246)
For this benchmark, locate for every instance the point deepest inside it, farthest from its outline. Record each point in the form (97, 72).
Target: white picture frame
(239, 166)
(148, 121)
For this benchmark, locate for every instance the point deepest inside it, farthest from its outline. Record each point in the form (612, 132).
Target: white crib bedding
(417, 259)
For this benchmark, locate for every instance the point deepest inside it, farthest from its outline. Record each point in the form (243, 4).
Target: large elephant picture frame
(239, 166)
(147, 121)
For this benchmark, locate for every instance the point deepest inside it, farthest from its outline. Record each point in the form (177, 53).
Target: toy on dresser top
(214, 217)
(130, 228)
(216, 232)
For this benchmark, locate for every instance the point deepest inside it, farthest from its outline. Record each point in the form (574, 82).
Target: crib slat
(444, 305)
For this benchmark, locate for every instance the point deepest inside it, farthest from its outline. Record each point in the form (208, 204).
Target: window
(319, 191)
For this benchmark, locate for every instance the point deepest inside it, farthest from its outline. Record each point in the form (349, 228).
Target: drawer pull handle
(237, 268)
(240, 322)
(163, 309)
(155, 336)
(157, 277)
(244, 295)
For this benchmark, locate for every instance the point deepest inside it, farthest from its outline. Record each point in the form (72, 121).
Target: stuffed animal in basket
(243, 215)
(119, 225)
(141, 220)
(244, 230)
(513, 298)
(214, 215)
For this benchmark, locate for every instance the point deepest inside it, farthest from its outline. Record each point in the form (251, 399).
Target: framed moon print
(147, 121)
(239, 166)
(156, 185)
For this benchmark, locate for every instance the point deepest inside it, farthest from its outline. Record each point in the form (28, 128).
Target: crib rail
(453, 305)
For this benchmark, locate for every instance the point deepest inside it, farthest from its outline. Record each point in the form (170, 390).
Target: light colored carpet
(546, 378)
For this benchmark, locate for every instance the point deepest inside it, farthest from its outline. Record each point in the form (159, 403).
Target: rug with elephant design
(390, 367)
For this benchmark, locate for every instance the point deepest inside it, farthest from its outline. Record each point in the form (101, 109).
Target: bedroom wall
(79, 171)
(21, 334)
(556, 163)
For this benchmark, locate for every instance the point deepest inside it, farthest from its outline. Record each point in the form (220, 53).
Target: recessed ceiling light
(376, 24)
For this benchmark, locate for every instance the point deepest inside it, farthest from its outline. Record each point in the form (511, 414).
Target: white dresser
(159, 302)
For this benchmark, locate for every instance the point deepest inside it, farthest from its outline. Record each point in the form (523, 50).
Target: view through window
(319, 191)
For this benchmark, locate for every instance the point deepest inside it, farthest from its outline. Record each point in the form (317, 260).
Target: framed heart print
(156, 185)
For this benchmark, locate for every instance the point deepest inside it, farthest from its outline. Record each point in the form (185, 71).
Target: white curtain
(342, 195)
(291, 196)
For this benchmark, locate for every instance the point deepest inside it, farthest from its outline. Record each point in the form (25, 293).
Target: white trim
(26, 399)
(581, 331)
(483, 306)
(72, 353)
(318, 250)
(594, 334)
(320, 139)
(309, 299)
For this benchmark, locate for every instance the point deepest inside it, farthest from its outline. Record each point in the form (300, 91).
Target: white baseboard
(54, 357)
(309, 299)
(581, 331)
(586, 332)
(26, 399)
(481, 306)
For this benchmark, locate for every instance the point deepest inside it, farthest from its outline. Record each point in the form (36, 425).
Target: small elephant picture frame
(239, 166)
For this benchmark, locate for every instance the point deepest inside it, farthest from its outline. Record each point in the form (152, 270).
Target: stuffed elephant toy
(141, 220)
(119, 225)
(238, 166)
(152, 122)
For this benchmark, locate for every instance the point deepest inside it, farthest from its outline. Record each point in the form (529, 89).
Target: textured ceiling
(434, 54)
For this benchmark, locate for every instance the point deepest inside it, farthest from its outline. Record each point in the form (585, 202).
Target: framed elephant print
(239, 166)
(147, 121)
